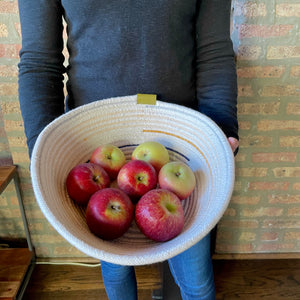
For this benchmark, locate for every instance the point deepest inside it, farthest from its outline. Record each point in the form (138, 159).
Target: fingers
(234, 143)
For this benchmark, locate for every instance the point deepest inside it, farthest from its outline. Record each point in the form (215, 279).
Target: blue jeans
(192, 271)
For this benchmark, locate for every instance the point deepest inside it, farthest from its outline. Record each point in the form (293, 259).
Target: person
(180, 50)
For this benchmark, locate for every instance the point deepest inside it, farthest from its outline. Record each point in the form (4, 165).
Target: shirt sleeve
(216, 69)
(41, 65)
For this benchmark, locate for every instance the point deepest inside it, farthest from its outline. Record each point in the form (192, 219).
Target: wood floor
(265, 279)
(14, 264)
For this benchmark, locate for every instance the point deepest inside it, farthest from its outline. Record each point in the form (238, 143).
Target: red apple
(178, 178)
(109, 213)
(159, 215)
(136, 178)
(84, 180)
(110, 158)
(153, 152)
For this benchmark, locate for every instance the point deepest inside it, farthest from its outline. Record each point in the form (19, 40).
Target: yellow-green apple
(159, 215)
(109, 213)
(84, 180)
(110, 157)
(153, 152)
(136, 178)
(177, 177)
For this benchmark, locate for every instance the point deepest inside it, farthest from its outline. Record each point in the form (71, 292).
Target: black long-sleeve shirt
(178, 49)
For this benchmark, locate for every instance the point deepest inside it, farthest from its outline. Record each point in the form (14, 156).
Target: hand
(234, 143)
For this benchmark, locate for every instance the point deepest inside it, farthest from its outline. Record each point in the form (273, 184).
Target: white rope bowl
(188, 135)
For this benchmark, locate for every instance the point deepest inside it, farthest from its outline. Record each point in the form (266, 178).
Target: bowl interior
(189, 137)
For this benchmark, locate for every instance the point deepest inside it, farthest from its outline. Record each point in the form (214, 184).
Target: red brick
(249, 9)
(42, 251)
(283, 52)
(287, 172)
(12, 107)
(238, 223)
(289, 141)
(293, 108)
(18, 29)
(36, 227)
(256, 141)
(281, 223)
(230, 212)
(247, 236)
(240, 157)
(288, 10)
(3, 30)
(224, 235)
(8, 71)
(295, 71)
(245, 91)
(292, 236)
(296, 186)
(284, 199)
(269, 236)
(280, 90)
(9, 7)
(260, 72)
(269, 125)
(237, 185)
(275, 247)
(48, 238)
(294, 211)
(8, 89)
(66, 251)
(13, 125)
(245, 200)
(265, 157)
(234, 248)
(10, 50)
(271, 108)
(262, 212)
(269, 186)
(249, 52)
(263, 31)
(244, 125)
(251, 172)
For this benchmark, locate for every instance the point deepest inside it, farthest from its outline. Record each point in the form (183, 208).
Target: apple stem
(115, 207)
(171, 208)
(96, 178)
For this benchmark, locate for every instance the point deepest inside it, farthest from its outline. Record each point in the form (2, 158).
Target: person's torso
(120, 47)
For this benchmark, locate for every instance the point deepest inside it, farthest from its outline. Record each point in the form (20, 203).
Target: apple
(84, 180)
(177, 177)
(109, 213)
(136, 178)
(153, 152)
(159, 215)
(111, 158)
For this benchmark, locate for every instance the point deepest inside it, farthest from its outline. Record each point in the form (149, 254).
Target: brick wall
(46, 241)
(263, 215)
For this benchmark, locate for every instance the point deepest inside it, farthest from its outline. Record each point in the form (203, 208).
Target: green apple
(177, 177)
(152, 152)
